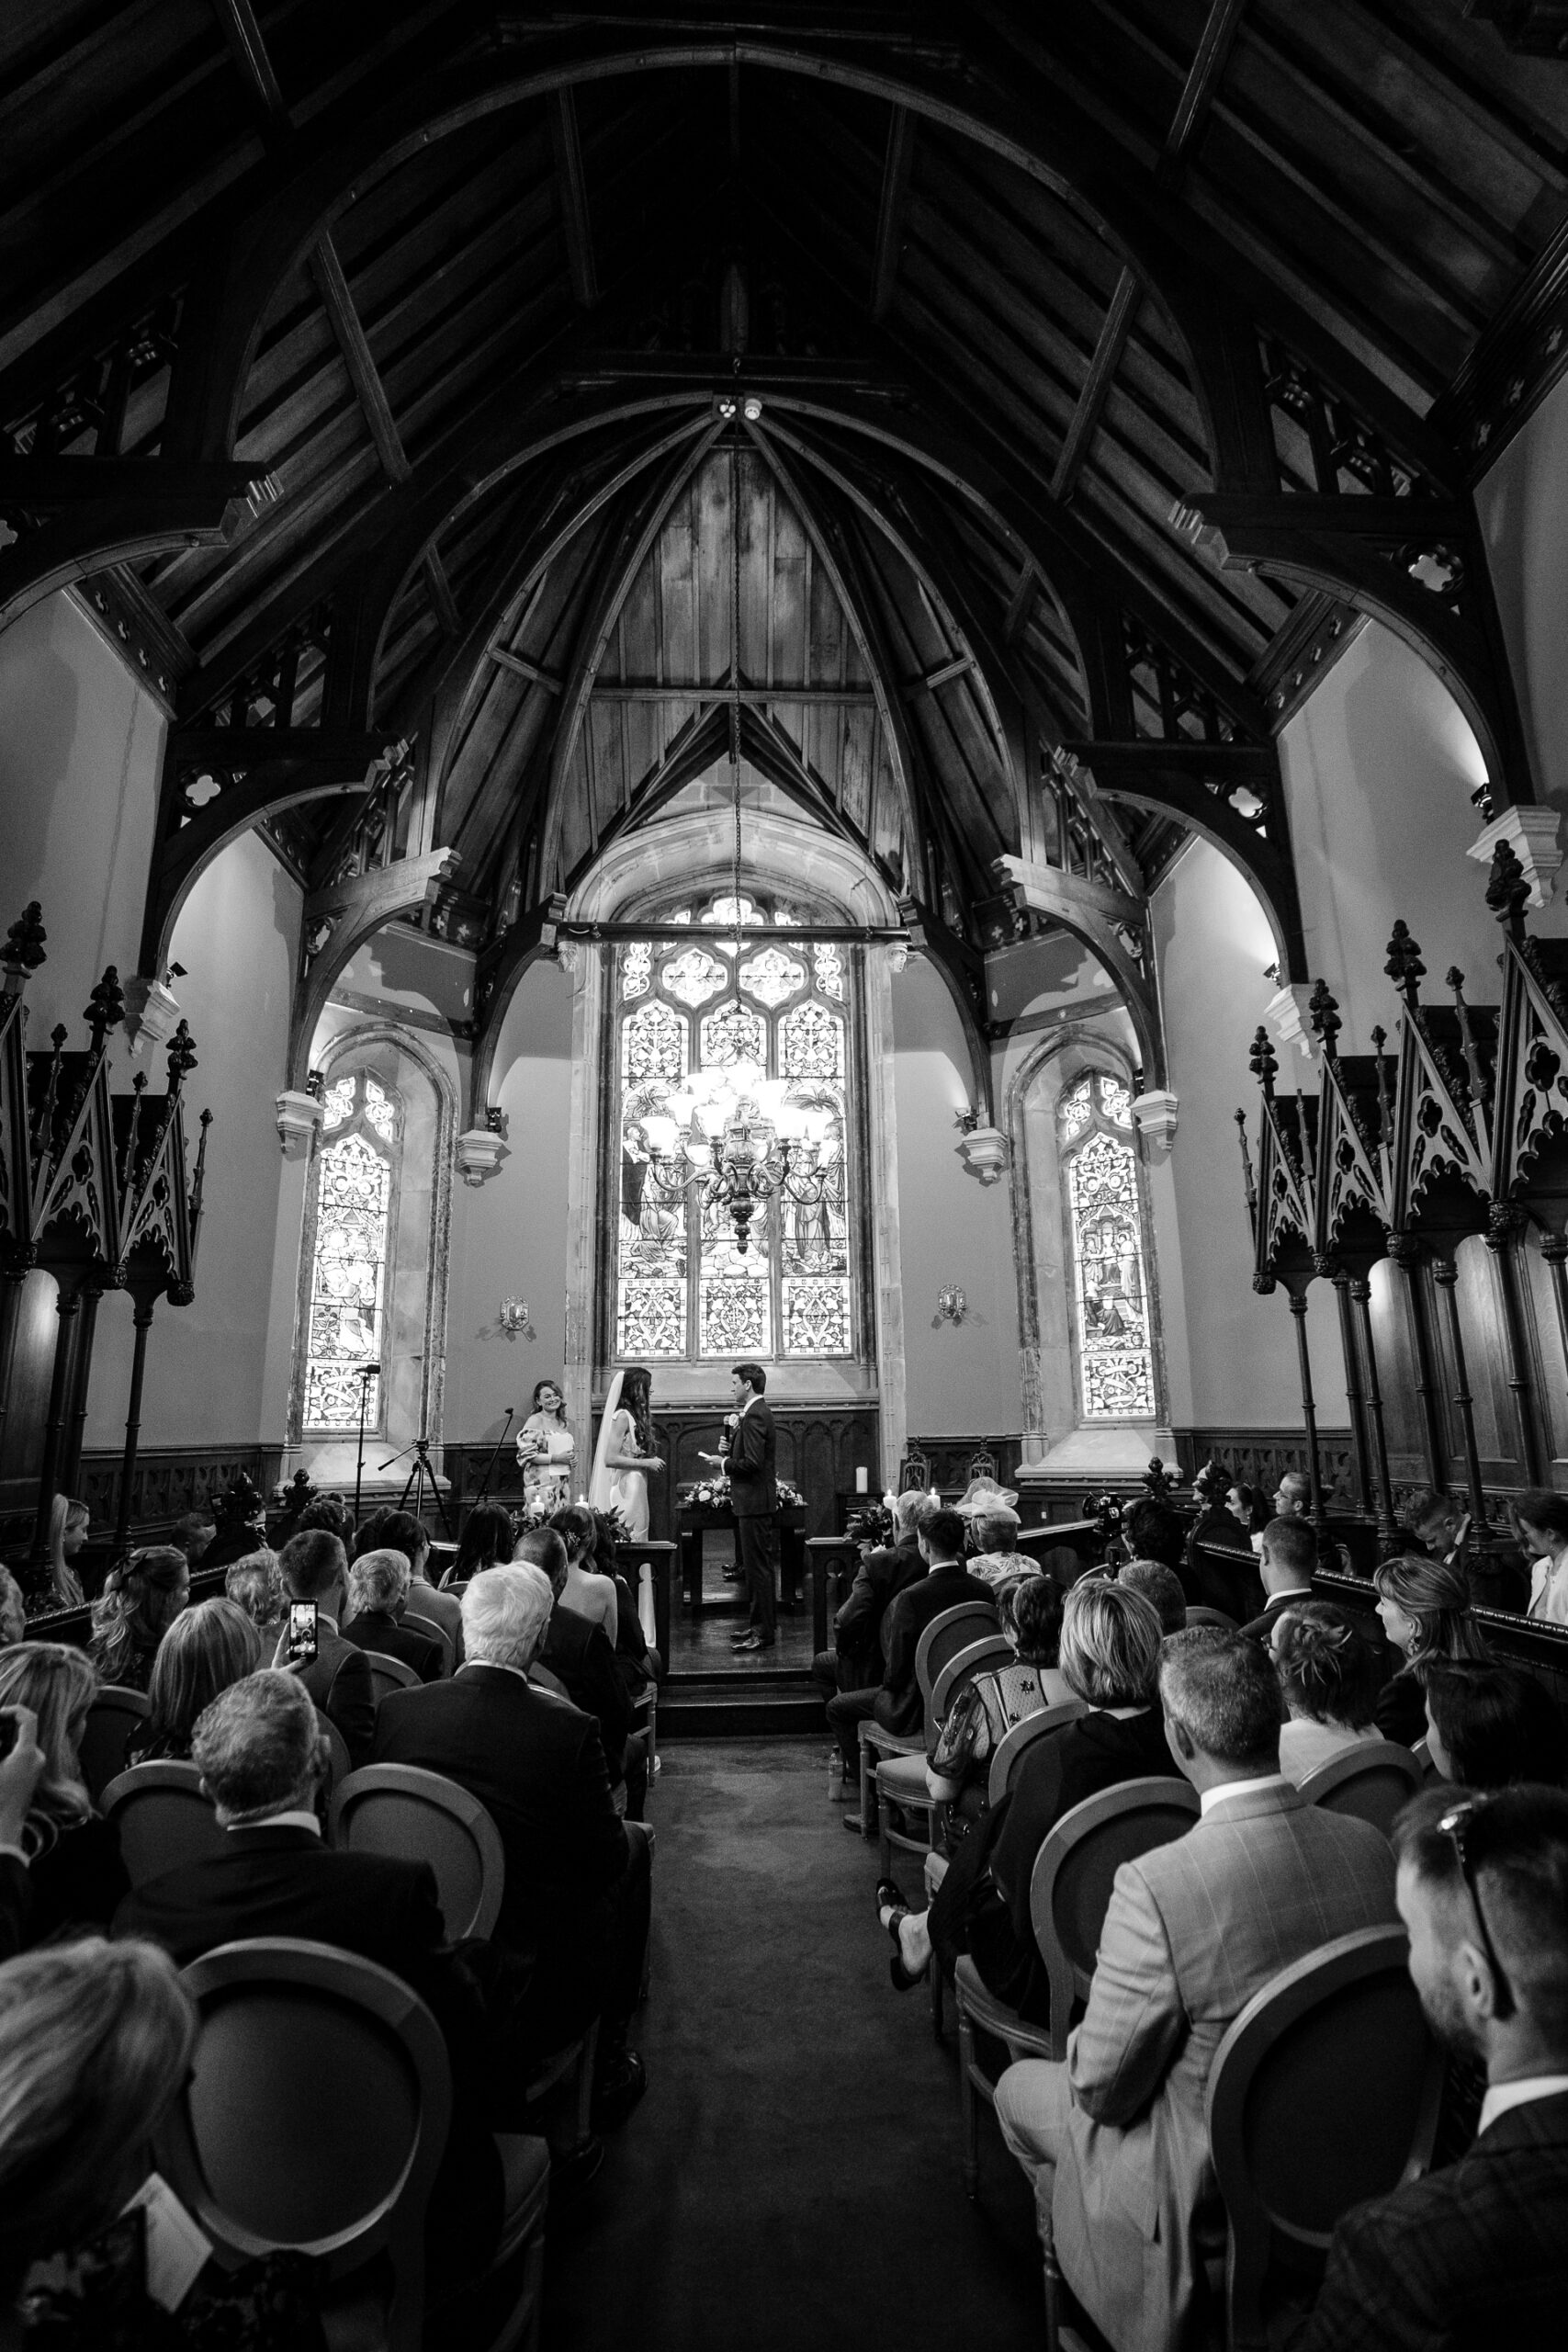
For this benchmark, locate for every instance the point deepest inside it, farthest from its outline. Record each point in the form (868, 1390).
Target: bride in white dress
(624, 1453)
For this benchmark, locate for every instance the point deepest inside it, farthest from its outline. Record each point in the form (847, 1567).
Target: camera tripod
(423, 1470)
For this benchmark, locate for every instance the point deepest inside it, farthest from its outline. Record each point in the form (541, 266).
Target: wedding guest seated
(193, 1534)
(1114, 2138)
(585, 1593)
(577, 1878)
(1329, 1677)
(852, 1670)
(993, 1531)
(12, 1610)
(140, 1601)
(262, 1758)
(1109, 1657)
(577, 1652)
(1541, 1520)
(1161, 1588)
(314, 1567)
(204, 1650)
(68, 1524)
(591, 1552)
(74, 1870)
(899, 1706)
(95, 2043)
(378, 1594)
(1220, 1566)
(399, 1530)
(240, 1523)
(1152, 1530)
(486, 1543)
(328, 1515)
(1488, 1727)
(1477, 2253)
(1029, 1611)
(255, 1583)
(1499, 1576)
(1424, 1606)
(1286, 1565)
(22, 1764)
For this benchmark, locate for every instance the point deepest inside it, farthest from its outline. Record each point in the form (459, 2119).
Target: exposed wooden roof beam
(576, 226)
(1204, 78)
(750, 698)
(363, 373)
(1113, 333)
(247, 45)
(521, 668)
(895, 171)
(1020, 603)
(441, 597)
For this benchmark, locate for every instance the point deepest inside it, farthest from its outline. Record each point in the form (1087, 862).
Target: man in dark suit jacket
(378, 1589)
(945, 1585)
(261, 1757)
(577, 1879)
(751, 1447)
(314, 1566)
(1290, 1555)
(1476, 2253)
(577, 1652)
(853, 1675)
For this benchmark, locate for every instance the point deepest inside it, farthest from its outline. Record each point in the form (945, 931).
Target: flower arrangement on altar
(872, 1523)
(714, 1494)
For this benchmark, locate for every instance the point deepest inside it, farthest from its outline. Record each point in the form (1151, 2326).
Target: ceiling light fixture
(751, 408)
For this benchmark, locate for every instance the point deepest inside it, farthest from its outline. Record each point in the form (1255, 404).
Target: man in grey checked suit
(1114, 2138)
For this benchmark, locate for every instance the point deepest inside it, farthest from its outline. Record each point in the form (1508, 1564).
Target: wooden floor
(700, 1643)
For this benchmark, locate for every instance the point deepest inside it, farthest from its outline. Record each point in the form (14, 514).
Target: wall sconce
(512, 1317)
(952, 1305)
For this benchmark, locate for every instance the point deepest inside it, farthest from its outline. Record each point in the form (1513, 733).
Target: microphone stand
(490, 1465)
(367, 1375)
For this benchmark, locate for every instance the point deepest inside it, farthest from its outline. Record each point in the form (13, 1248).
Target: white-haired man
(576, 1877)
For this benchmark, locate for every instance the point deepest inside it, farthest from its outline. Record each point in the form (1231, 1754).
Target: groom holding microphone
(749, 1447)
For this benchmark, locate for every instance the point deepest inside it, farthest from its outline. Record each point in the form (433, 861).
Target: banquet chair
(314, 2117)
(1070, 1893)
(1422, 1752)
(413, 1815)
(433, 1632)
(1324, 2091)
(164, 1818)
(541, 1679)
(112, 1717)
(951, 1631)
(389, 1674)
(1006, 1757)
(900, 1780)
(1197, 1614)
(342, 1763)
(1374, 1781)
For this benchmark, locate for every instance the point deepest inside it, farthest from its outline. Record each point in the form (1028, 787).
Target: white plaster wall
(207, 1363)
(1523, 505)
(81, 745)
(960, 1379)
(1232, 1360)
(1379, 764)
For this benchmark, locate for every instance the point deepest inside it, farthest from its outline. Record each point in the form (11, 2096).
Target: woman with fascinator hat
(624, 1453)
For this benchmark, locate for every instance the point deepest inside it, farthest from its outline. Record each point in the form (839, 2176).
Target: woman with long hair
(74, 1867)
(140, 1601)
(1541, 1520)
(624, 1454)
(591, 1595)
(486, 1543)
(1329, 1677)
(68, 1522)
(1424, 1609)
(205, 1650)
(255, 1583)
(546, 1448)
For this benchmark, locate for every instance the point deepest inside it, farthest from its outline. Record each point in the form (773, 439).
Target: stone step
(726, 1706)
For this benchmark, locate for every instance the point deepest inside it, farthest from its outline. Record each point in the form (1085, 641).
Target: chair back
(389, 1674)
(1374, 1781)
(112, 1717)
(914, 1473)
(432, 1632)
(1199, 1615)
(418, 1816)
(1422, 1752)
(1006, 1757)
(982, 1465)
(1076, 1870)
(991, 1649)
(1323, 2091)
(954, 1630)
(341, 1761)
(541, 1679)
(315, 2116)
(164, 1819)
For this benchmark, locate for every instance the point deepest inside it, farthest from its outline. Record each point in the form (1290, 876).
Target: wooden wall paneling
(31, 1365)
(1538, 1293)
(1399, 1375)
(1486, 1365)
(1260, 1458)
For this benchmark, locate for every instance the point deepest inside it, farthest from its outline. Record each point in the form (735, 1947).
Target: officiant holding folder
(747, 1450)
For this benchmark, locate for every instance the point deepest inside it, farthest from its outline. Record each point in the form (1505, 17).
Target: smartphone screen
(302, 1630)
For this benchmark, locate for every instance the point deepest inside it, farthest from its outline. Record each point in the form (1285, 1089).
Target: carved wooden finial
(1479, 1076)
(1507, 888)
(1322, 1010)
(1404, 966)
(1264, 1063)
(24, 941)
(182, 1058)
(106, 1007)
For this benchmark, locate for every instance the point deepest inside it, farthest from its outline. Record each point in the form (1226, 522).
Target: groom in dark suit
(750, 1445)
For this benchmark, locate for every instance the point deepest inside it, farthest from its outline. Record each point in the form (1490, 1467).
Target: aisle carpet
(791, 2181)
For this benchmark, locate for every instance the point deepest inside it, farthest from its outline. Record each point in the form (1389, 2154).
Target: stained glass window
(353, 1176)
(1110, 1301)
(756, 1070)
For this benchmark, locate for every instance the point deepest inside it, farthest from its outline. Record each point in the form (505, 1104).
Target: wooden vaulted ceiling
(1372, 179)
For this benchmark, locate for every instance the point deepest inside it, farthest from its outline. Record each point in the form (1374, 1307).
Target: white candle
(935, 1497)
(862, 1479)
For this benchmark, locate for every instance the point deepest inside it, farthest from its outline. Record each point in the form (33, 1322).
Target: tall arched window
(1111, 1293)
(349, 1232)
(737, 1050)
